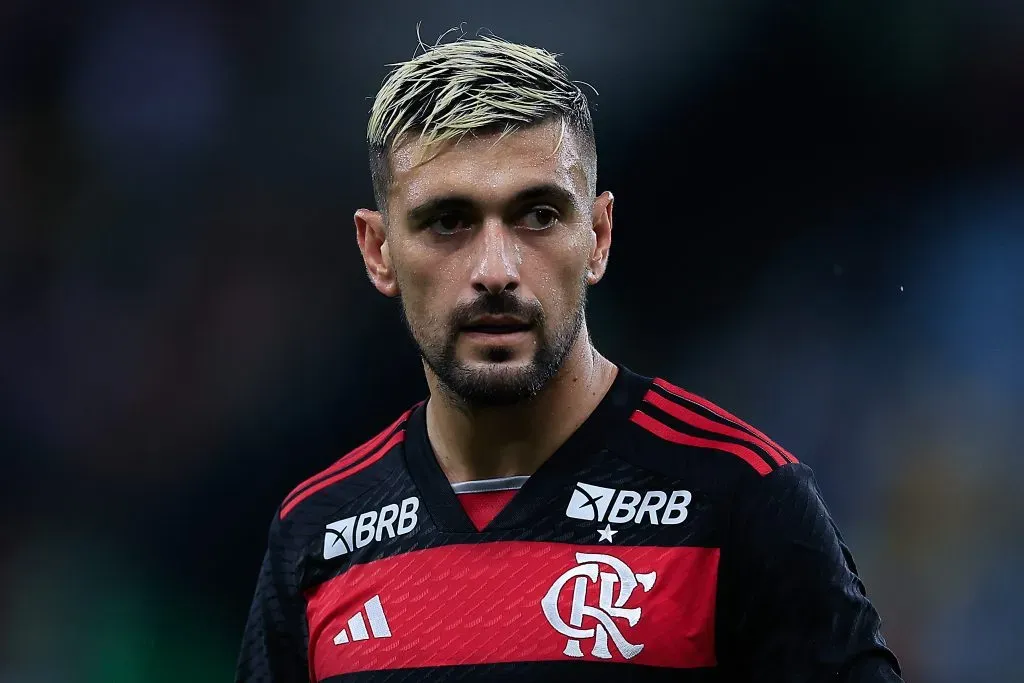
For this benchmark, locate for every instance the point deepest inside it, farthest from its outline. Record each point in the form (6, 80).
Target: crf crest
(600, 622)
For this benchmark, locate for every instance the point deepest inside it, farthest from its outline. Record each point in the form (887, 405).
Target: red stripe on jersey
(517, 601)
(396, 439)
(703, 402)
(348, 458)
(697, 420)
(665, 432)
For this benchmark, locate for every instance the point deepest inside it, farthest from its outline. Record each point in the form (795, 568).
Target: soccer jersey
(665, 540)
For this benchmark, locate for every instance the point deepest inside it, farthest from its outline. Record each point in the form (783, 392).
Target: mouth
(496, 325)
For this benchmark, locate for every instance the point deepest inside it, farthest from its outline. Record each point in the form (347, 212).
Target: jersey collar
(552, 480)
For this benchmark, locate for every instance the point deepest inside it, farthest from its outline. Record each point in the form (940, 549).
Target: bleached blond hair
(477, 85)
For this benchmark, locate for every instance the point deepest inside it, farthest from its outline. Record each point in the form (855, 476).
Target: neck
(482, 443)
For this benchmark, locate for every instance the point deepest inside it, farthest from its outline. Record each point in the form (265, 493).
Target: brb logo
(599, 504)
(610, 605)
(347, 534)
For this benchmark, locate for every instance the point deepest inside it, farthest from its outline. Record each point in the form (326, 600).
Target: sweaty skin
(512, 216)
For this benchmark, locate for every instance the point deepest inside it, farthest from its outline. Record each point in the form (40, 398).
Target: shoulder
(679, 433)
(358, 469)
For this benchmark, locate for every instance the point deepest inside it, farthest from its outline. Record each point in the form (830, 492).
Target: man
(546, 512)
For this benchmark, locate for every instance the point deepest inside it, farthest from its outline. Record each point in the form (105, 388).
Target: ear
(373, 244)
(601, 224)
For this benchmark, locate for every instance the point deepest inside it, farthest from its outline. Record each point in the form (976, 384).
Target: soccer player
(545, 512)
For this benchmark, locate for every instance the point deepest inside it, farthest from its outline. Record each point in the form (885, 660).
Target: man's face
(490, 243)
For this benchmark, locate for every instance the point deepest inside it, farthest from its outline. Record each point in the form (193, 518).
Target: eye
(540, 218)
(448, 224)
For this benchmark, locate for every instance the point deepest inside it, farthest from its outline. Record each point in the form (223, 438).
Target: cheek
(425, 288)
(561, 278)
(573, 257)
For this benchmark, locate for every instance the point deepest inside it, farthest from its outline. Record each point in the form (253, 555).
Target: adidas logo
(356, 629)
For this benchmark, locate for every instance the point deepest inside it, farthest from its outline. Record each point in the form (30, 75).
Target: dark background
(819, 226)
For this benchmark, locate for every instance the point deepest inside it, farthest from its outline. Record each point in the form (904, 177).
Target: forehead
(489, 167)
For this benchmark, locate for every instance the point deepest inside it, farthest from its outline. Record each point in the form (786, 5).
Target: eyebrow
(438, 205)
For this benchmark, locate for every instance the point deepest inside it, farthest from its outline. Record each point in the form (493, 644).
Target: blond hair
(472, 86)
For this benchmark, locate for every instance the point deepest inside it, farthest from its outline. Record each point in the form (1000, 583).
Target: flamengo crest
(616, 586)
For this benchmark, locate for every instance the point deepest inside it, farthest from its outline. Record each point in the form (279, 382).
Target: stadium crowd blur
(820, 226)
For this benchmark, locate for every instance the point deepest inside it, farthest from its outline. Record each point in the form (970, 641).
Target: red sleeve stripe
(395, 439)
(665, 432)
(684, 414)
(679, 392)
(350, 457)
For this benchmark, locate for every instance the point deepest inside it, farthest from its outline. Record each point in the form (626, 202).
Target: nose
(497, 259)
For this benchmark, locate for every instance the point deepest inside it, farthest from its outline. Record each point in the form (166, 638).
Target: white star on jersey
(606, 533)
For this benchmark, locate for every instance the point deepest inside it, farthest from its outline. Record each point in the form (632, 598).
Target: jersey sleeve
(800, 610)
(274, 644)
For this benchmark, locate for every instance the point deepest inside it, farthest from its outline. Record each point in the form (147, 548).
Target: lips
(496, 325)
(497, 329)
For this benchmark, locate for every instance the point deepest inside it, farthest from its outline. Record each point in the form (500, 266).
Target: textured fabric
(665, 540)
(484, 506)
(274, 646)
(447, 580)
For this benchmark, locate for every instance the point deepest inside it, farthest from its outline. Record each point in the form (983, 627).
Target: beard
(496, 382)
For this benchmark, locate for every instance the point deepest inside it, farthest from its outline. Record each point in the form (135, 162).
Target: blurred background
(819, 226)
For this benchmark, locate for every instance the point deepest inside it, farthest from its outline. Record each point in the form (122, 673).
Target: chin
(493, 383)
(499, 357)
(501, 371)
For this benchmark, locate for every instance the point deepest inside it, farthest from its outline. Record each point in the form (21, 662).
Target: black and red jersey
(666, 540)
